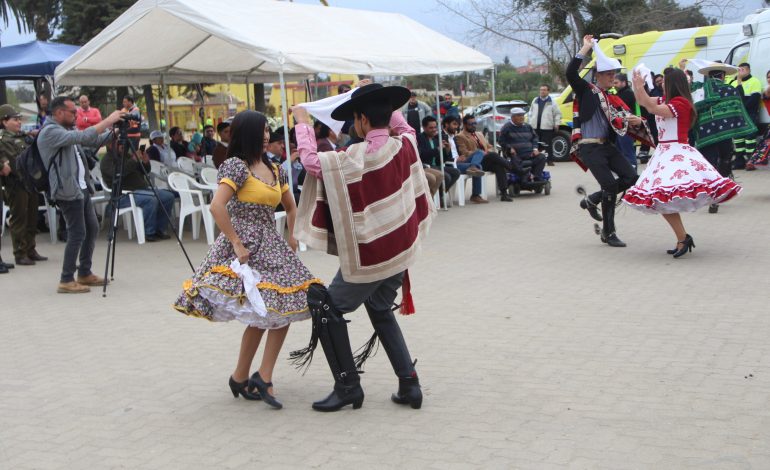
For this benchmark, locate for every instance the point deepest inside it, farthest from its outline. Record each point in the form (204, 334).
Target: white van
(753, 46)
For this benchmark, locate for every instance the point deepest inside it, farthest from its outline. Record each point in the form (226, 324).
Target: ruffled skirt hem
(688, 198)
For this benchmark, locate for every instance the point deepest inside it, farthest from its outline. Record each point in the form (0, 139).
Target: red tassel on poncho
(407, 304)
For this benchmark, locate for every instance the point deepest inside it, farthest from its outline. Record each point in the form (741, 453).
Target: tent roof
(32, 60)
(191, 41)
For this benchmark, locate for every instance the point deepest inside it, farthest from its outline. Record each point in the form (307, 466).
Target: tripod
(122, 154)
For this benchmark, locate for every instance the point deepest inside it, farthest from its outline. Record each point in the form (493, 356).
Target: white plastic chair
(184, 184)
(186, 165)
(50, 212)
(160, 173)
(459, 187)
(209, 176)
(132, 215)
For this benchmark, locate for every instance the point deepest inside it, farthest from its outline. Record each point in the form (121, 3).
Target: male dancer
(721, 116)
(599, 118)
(371, 204)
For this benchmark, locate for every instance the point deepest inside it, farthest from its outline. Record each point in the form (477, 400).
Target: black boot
(409, 392)
(332, 332)
(387, 330)
(591, 204)
(608, 235)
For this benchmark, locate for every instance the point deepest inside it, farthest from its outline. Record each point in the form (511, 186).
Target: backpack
(32, 170)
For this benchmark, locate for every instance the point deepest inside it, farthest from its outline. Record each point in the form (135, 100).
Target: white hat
(517, 111)
(604, 63)
(706, 66)
(155, 134)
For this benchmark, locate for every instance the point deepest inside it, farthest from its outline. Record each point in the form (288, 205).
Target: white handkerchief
(646, 74)
(322, 110)
(250, 278)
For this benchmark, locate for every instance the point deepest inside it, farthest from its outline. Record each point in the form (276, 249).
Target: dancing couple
(253, 275)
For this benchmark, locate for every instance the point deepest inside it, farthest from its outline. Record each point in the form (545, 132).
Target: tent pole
(494, 112)
(165, 102)
(285, 117)
(441, 150)
(248, 94)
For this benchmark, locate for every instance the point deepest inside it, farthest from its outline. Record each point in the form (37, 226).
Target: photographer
(71, 188)
(133, 179)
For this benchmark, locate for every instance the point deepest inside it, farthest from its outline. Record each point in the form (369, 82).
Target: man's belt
(592, 141)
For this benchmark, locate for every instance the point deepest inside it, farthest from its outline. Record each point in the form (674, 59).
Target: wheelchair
(525, 181)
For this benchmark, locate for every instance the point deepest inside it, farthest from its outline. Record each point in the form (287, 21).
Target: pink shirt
(87, 118)
(375, 139)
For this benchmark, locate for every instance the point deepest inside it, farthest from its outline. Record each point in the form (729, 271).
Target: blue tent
(32, 60)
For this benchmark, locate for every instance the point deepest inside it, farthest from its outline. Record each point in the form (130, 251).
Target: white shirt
(455, 153)
(81, 170)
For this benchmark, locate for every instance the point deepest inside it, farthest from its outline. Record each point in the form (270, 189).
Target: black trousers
(500, 167)
(546, 136)
(605, 162)
(720, 155)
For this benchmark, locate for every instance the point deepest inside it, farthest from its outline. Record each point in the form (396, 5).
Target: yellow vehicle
(657, 50)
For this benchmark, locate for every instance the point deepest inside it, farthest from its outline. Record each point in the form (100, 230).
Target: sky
(432, 15)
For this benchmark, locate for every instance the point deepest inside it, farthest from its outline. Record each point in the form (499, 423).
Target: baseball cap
(155, 135)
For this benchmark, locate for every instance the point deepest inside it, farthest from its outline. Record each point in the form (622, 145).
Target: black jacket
(430, 155)
(588, 102)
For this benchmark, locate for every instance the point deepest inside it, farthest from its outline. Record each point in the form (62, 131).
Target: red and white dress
(678, 178)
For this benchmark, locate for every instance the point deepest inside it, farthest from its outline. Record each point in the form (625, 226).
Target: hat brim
(727, 69)
(397, 96)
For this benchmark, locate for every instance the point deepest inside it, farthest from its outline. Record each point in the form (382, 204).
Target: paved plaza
(538, 347)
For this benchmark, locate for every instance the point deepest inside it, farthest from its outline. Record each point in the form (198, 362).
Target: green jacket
(11, 146)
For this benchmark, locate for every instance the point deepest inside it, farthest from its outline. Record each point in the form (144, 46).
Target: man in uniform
(372, 266)
(22, 202)
(750, 89)
(599, 119)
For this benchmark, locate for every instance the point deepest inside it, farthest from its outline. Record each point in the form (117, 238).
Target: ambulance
(753, 46)
(658, 50)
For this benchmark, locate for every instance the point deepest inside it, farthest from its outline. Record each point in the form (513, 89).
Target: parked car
(487, 122)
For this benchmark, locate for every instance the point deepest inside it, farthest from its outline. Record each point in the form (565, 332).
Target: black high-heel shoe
(687, 245)
(256, 382)
(240, 388)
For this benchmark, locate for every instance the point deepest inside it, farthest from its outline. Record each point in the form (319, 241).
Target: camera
(134, 116)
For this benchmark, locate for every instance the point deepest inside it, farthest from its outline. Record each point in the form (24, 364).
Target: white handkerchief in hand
(646, 74)
(250, 278)
(322, 110)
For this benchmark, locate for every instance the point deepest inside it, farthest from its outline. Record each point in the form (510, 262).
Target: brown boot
(478, 200)
(24, 261)
(72, 287)
(35, 256)
(92, 280)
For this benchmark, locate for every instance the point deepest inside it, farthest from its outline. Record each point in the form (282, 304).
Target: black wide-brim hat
(396, 96)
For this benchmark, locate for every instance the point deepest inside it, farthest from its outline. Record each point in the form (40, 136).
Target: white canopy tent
(224, 41)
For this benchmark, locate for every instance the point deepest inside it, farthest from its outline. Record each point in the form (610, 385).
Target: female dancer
(250, 187)
(678, 178)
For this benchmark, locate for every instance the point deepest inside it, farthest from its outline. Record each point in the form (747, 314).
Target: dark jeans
(155, 221)
(720, 155)
(82, 229)
(546, 136)
(500, 167)
(626, 146)
(603, 160)
(451, 175)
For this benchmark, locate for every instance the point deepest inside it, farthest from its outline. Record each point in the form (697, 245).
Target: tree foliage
(84, 19)
(41, 17)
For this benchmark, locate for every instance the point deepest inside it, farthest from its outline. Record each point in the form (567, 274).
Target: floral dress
(217, 293)
(678, 178)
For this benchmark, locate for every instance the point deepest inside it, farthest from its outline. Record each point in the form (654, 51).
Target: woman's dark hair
(767, 74)
(247, 135)
(674, 85)
(173, 131)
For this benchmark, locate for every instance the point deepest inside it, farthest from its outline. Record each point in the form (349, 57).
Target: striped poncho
(379, 206)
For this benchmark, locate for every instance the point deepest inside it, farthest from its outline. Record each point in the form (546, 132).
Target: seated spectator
(466, 165)
(178, 144)
(415, 111)
(159, 151)
(276, 147)
(194, 147)
(208, 142)
(220, 152)
(133, 179)
(473, 146)
(519, 141)
(428, 146)
(325, 137)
